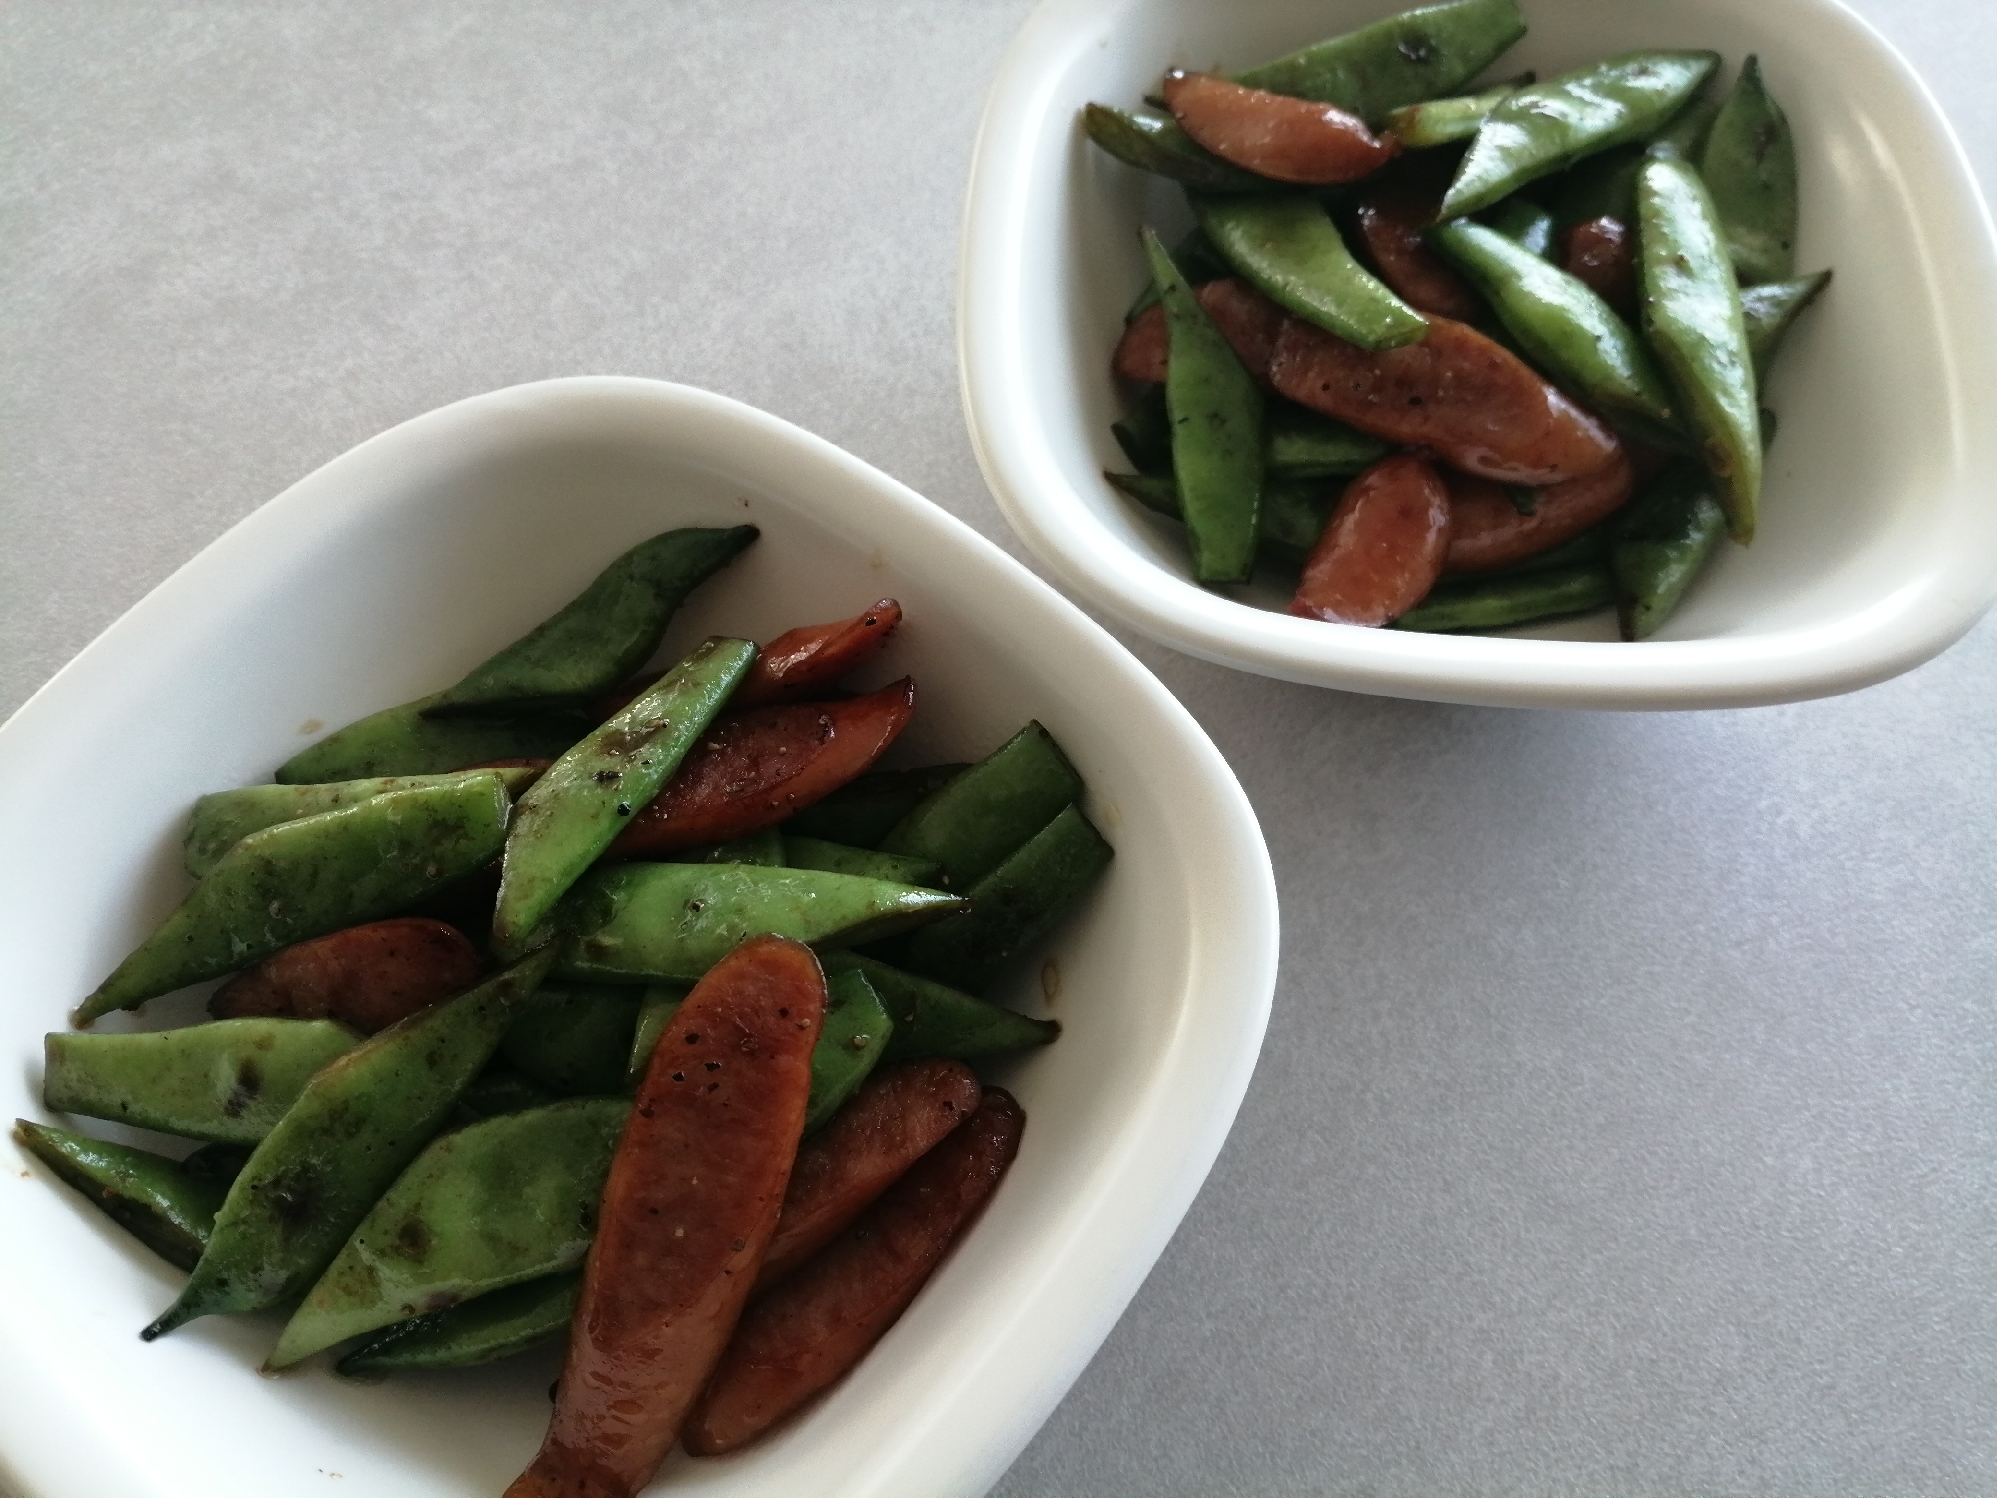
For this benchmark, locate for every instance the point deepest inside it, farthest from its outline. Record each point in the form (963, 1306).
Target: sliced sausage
(1602, 253)
(365, 976)
(1248, 320)
(801, 662)
(1274, 135)
(1393, 217)
(1486, 530)
(1382, 549)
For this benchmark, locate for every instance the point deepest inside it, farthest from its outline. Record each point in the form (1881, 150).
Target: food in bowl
(1515, 448)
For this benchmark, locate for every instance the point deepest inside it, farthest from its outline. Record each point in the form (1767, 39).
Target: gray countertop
(1626, 1120)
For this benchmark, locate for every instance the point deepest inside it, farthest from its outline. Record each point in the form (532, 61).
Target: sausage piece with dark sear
(1487, 531)
(1382, 549)
(365, 976)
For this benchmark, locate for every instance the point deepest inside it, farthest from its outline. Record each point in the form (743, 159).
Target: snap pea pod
(309, 877)
(1567, 329)
(1290, 251)
(1685, 136)
(1437, 122)
(1528, 223)
(1418, 54)
(1197, 260)
(1749, 166)
(500, 1089)
(933, 1019)
(1515, 600)
(356, 1125)
(863, 811)
(490, 1205)
(573, 1038)
(662, 1001)
(1216, 414)
(1770, 310)
(470, 1335)
(401, 741)
(1548, 126)
(229, 1080)
(856, 1033)
(971, 824)
(866, 863)
(639, 922)
(765, 848)
(1156, 143)
(585, 798)
(1300, 443)
(1662, 544)
(1692, 316)
(147, 1195)
(223, 819)
(1294, 511)
(605, 633)
(1014, 906)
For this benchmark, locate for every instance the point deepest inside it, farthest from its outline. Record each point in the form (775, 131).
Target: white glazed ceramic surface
(386, 574)
(1878, 540)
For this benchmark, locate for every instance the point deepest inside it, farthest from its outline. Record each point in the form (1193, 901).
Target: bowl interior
(1875, 482)
(386, 575)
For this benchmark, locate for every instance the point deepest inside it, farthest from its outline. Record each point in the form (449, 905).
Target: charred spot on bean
(247, 1089)
(1416, 49)
(624, 808)
(607, 777)
(413, 1238)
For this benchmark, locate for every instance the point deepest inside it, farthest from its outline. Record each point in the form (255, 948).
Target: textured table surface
(1626, 1120)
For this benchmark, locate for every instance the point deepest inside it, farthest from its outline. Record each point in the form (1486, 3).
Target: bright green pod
(147, 1195)
(229, 1080)
(306, 878)
(1301, 444)
(863, 811)
(851, 1043)
(1418, 54)
(661, 1002)
(1013, 906)
(1770, 310)
(589, 795)
(604, 634)
(1512, 600)
(222, 820)
(864, 863)
(1527, 223)
(573, 1039)
(1547, 127)
(1294, 511)
(641, 922)
(401, 741)
(1749, 166)
(1198, 262)
(1663, 541)
(1292, 252)
(1564, 327)
(355, 1127)
(765, 848)
(470, 1335)
(1692, 317)
(933, 1019)
(984, 814)
(1437, 122)
(486, 1206)
(1156, 143)
(1216, 415)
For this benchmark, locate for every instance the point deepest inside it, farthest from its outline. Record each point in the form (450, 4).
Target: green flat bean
(1156, 143)
(1749, 166)
(500, 1089)
(1198, 262)
(765, 848)
(585, 798)
(1549, 126)
(1692, 316)
(309, 877)
(222, 820)
(605, 633)
(401, 741)
(863, 811)
(477, 1332)
(229, 1080)
(489, 1205)
(1513, 600)
(1216, 415)
(1014, 906)
(973, 823)
(856, 1032)
(1685, 136)
(1527, 223)
(1770, 310)
(573, 1039)
(1303, 444)
(933, 1019)
(357, 1124)
(639, 922)
(1291, 251)
(1418, 54)
(1437, 122)
(1566, 328)
(865, 863)
(1294, 511)
(147, 1195)
(1662, 543)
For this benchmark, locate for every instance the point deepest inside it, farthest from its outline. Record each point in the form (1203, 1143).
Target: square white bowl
(391, 571)
(1878, 539)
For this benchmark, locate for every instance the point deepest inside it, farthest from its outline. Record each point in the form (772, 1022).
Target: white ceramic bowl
(1878, 539)
(392, 570)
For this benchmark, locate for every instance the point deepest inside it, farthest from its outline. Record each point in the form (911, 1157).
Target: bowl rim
(1091, 1258)
(1910, 625)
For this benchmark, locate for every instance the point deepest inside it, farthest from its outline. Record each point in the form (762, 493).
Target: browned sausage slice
(892, 1122)
(1392, 218)
(1274, 135)
(1602, 252)
(1486, 530)
(800, 662)
(1382, 549)
(691, 1200)
(1248, 320)
(366, 976)
(807, 1332)
(1473, 403)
